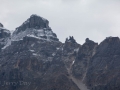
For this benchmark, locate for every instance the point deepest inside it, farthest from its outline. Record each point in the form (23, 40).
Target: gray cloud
(95, 19)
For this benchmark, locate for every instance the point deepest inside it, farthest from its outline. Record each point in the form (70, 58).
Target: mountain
(33, 58)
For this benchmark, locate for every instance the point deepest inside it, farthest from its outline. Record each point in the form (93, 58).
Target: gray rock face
(85, 53)
(36, 60)
(4, 36)
(104, 70)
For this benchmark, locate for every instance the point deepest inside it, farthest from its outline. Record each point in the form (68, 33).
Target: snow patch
(33, 36)
(57, 48)
(62, 49)
(4, 30)
(76, 50)
(35, 33)
(73, 62)
(32, 50)
(53, 54)
(29, 32)
(32, 45)
(8, 43)
(34, 54)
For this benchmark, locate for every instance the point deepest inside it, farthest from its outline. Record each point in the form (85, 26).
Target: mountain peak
(70, 39)
(35, 22)
(34, 15)
(37, 27)
(38, 19)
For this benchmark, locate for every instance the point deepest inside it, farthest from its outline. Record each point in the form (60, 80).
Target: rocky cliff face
(85, 53)
(104, 70)
(4, 36)
(33, 58)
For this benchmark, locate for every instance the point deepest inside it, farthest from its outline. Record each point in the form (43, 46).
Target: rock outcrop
(70, 39)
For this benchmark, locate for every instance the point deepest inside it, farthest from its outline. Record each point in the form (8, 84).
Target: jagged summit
(35, 26)
(35, 15)
(70, 39)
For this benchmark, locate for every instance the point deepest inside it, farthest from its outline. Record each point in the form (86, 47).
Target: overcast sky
(93, 19)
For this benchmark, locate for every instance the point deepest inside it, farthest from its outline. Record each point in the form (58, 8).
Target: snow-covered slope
(44, 34)
(36, 27)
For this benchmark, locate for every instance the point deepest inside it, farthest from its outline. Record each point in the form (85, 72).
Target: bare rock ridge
(33, 58)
